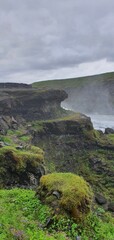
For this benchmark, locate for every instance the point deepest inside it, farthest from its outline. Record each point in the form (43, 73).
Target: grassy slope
(22, 217)
(74, 82)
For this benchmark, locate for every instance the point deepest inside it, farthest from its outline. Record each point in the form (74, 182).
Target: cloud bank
(51, 39)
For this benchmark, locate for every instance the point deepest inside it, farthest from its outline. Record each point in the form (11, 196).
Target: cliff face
(31, 104)
(4, 86)
(92, 94)
(72, 145)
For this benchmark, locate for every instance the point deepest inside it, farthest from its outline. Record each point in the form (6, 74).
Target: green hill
(89, 95)
(74, 82)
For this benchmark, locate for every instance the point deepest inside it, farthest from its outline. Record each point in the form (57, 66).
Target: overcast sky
(50, 39)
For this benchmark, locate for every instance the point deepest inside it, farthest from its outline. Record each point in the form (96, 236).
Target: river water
(101, 122)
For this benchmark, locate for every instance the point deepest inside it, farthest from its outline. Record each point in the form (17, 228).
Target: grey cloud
(45, 35)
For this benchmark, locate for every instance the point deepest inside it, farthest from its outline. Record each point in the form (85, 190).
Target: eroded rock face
(71, 125)
(7, 122)
(31, 104)
(8, 85)
(20, 167)
(72, 145)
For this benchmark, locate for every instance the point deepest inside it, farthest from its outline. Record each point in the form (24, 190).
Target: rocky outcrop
(31, 104)
(21, 167)
(91, 94)
(8, 85)
(7, 122)
(72, 145)
(109, 131)
(70, 125)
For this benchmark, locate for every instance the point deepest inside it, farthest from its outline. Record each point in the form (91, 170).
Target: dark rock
(111, 207)
(109, 131)
(14, 85)
(60, 127)
(20, 147)
(16, 170)
(98, 165)
(100, 199)
(3, 126)
(7, 122)
(31, 104)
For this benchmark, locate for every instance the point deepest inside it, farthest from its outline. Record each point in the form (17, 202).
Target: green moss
(25, 138)
(37, 125)
(110, 137)
(36, 150)
(76, 195)
(22, 156)
(6, 139)
(14, 162)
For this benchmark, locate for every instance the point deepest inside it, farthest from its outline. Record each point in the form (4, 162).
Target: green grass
(73, 82)
(16, 137)
(25, 138)
(111, 137)
(23, 217)
(6, 139)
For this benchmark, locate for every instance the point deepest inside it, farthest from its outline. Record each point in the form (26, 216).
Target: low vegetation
(73, 82)
(63, 206)
(23, 217)
(75, 193)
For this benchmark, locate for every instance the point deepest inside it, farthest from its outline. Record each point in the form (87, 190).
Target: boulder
(66, 193)
(100, 199)
(109, 131)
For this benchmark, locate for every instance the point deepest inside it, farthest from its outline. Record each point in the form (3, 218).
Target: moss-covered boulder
(21, 167)
(66, 193)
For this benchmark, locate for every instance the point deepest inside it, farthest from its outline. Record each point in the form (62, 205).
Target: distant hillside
(92, 94)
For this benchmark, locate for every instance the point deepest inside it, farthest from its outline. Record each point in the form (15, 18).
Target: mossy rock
(17, 166)
(66, 192)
